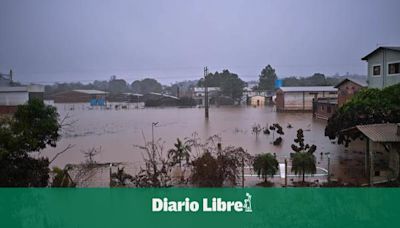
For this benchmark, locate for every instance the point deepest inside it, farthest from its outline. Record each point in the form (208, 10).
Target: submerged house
(258, 100)
(324, 107)
(12, 96)
(199, 94)
(380, 144)
(383, 67)
(93, 97)
(301, 98)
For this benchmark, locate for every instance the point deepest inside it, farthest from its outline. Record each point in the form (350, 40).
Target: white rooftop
(308, 89)
(90, 91)
(13, 89)
(210, 89)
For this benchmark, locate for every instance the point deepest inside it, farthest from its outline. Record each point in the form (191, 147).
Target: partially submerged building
(12, 96)
(199, 94)
(347, 88)
(93, 97)
(301, 98)
(324, 107)
(159, 99)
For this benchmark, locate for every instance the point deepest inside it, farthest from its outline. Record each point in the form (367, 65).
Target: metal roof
(308, 89)
(387, 132)
(164, 95)
(393, 48)
(134, 94)
(202, 89)
(358, 82)
(90, 91)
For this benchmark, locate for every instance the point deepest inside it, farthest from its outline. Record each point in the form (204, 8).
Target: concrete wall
(257, 100)
(383, 58)
(299, 101)
(13, 98)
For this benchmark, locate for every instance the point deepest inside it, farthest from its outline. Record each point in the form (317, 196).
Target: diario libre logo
(207, 205)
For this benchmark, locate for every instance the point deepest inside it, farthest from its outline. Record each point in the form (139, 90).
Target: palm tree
(180, 153)
(303, 160)
(265, 165)
(302, 163)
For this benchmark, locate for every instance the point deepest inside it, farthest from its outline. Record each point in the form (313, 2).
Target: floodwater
(117, 131)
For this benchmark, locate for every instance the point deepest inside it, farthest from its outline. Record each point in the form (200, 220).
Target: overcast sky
(68, 40)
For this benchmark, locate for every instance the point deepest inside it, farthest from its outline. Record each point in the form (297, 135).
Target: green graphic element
(270, 207)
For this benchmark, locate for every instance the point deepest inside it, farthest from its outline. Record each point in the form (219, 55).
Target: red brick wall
(7, 109)
(346, 91)
(280, 101)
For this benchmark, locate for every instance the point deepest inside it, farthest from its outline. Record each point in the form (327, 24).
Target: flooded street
(117, 131)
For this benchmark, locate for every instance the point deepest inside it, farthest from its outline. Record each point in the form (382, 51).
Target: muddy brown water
(117, 131)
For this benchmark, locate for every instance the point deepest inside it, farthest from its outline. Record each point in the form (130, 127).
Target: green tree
(369, 106)
(33, 127)
(146, 85)
(222, 166)
(267, 79)
(180, 153)
(230, 83)
(116, 86)
(265, 165)
(303, 160)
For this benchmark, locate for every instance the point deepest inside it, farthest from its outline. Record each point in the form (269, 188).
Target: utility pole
(242, 171)
(152, 135)
(285, 172)
(329, 170)
(205, 92)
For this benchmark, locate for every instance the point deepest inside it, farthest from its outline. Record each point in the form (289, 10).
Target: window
(376, 70)
(394, 68)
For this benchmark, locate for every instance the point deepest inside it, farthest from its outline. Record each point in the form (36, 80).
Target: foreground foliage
(369, 106)
(33, 127)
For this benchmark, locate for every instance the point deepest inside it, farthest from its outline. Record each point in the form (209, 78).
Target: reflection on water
(116, 131)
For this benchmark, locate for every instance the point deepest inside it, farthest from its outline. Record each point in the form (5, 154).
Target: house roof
(164, 95)
(387, 132)
(202, 89)
(134, 94)
(308, 89)
(324, 100)
(393, 48)
(6, 89)
(358, 82)
(90, 91)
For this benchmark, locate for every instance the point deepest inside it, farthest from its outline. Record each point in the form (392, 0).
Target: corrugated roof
(394, 48)
(134, 94)
(386, 132)
(90, 91)
(358, 82)
(308, 89)
(164, 95)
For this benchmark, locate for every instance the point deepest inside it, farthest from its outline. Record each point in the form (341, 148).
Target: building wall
(299, 101)
(383, 58)
(74, 97)
(13, 98)
(324, 110)
(257, 100)
(346, 91)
